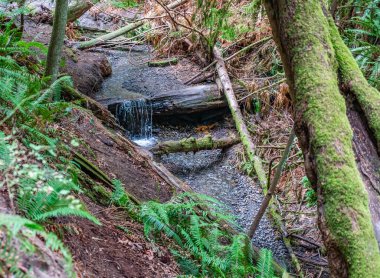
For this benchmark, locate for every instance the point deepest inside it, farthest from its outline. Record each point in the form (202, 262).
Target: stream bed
(214, 172)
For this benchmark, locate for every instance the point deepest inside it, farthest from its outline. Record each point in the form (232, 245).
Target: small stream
(214, 172)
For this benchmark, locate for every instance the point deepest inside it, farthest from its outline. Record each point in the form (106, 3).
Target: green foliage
(264, 265)
(310, 195)
(364, 41)
(213, 251)
(42, 192)
(18, 239)
(124, 4)
(25, 96)
(214, 15)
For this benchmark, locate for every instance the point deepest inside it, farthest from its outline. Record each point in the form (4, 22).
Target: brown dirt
(118, 161)
(108, 251)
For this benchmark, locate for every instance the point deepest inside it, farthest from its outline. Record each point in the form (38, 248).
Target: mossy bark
(194, 145)
(318, 65)
(57, 38)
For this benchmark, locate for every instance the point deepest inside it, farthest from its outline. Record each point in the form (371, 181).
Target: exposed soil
(117, 248)
(121, 162)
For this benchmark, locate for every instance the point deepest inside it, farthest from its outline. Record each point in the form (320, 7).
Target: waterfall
(136, 117)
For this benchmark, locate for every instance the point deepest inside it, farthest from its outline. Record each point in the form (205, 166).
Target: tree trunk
(319, 67)
(56, 40)
(194, 145)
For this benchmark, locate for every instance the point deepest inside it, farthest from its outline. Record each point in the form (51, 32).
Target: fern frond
(264, 264)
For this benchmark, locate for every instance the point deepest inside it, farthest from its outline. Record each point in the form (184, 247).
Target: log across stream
(212, 172)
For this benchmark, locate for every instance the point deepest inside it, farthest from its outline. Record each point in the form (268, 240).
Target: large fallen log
(192, 100)
(193, 145)
(125, 29)
(238, 117)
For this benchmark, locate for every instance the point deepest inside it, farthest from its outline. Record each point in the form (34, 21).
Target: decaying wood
(98, 110)
(77, 9)
(193, 145)
(125, 29)
(238, 117)
(197, 99)
(163, 63)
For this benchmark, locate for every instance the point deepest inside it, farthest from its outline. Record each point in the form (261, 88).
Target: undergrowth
(39, 187)
(364, 38)
(197, 223)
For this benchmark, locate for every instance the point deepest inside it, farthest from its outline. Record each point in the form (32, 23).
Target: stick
(125, 29)
(262, 89)
(272, 187)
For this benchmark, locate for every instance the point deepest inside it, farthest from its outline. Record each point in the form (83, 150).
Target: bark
(56, 40)
(163, 63)
(194, 145)
(317, 66)
(238, 117)
(77, 9)
(192, 100)
(125, 29)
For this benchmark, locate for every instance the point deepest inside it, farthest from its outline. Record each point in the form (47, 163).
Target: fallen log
(193, 145)
(238, 117)
(125, 29)
(77, 9)
(192, 100)
(163, 63)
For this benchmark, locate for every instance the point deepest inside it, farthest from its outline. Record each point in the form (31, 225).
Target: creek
(215, 172)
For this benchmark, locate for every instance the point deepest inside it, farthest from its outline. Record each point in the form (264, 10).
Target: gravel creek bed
(214, 172)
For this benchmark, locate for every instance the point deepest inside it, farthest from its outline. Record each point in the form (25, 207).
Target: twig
(305, 239)
(263, 88)
(312, 262)
(272, 187)
(228, 58)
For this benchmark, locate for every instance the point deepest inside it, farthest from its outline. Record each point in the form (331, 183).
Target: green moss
(367, 96)
(320, 108)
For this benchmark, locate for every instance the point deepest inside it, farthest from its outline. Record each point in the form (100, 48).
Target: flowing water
(136, 117)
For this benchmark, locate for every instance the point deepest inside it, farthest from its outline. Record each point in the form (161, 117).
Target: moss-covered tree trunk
(57, 38)
(321, 71)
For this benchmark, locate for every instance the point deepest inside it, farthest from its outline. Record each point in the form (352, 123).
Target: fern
(17, 234)
(264, 264)
(214, 252)
(364, 39)
(42, 192)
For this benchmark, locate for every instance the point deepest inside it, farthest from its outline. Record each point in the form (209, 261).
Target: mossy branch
(194, 145)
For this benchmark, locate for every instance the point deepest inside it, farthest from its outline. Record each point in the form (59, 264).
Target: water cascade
(136, 117)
